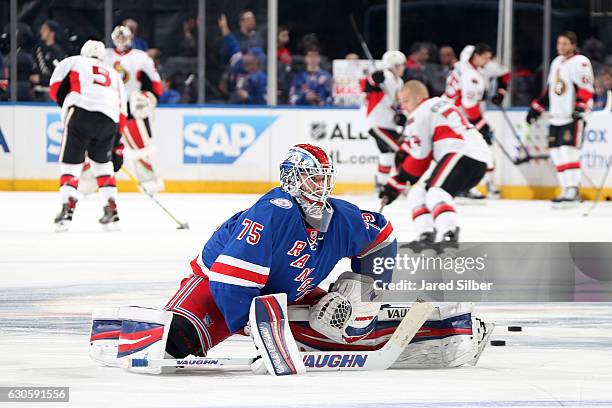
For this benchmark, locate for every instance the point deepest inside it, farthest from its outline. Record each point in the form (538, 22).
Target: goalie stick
(314, 361)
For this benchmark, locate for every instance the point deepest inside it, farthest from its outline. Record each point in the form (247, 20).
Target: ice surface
(49, 283)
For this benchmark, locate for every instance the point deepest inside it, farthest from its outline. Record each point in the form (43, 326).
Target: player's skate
(471, 197)
(569, 198)
(492, 190)
(64, 217)
(449, 243)
(424, 244)
(110, 219)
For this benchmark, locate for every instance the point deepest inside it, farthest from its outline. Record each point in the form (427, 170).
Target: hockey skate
(64, 217)
(471, 197)
(492, 190)
(569, 198)
(426, 244)
(449, 243)
(110, 219)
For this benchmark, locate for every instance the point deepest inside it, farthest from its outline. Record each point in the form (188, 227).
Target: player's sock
(422, 220)
(69, 181)
(573, 173)
(440, 204)
(108, 191)
(385, 164)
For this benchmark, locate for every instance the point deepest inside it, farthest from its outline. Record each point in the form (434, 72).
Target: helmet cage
(308, 180)
(122, 37)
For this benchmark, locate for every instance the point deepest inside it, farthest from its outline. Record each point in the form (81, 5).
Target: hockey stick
(600, 190)
(516, 161)
(317, 361)
(528, 156)
(181, 225)
(364, 45)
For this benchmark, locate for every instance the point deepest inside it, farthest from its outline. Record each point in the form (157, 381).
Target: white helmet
(122, 37)
(393, 58)
(94, 49)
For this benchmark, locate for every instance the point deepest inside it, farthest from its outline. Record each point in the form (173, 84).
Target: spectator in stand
(595, 50)
(282, 52)
(603, 84)
(170, 95)
(25, 63)
(313, 85)
(248, 37)
(415, 65)
(351, 56)
(447, 57)
(187, 47)
(251, 87)
(47, 55)
(437, 72)
(138, 43)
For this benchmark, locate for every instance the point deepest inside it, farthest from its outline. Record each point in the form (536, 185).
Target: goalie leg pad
(270, 330)
(104, 336)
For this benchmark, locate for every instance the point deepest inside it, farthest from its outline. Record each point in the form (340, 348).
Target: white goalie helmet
(308, 174)
(93, 49)
(392, 58)
(122, 37)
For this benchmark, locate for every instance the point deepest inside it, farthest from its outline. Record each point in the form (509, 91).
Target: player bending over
(437, 132)
(466, 87)
(93, 103)
(287, 243)
(568, 96)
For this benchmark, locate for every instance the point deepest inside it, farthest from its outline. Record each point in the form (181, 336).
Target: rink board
(238, 149)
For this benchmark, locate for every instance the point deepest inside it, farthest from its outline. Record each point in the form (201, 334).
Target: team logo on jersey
(54, 131)
(282, 203)
(559, 86)
(220, 139)
(3, 143)
(125, 75)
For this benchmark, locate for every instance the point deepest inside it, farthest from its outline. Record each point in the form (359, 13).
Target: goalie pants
(87, 132)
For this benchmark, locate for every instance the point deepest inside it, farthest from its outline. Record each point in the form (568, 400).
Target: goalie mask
(308, 174)
(122, 38)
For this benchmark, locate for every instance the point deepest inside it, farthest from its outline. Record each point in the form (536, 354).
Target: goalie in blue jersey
(287, 243)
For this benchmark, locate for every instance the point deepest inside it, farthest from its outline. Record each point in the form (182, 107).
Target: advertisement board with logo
(231, 149)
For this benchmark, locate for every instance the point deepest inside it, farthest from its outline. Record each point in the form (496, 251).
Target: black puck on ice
(498, 342)
(515, 328)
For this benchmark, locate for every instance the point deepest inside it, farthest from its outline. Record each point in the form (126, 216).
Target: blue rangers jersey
(268, 248)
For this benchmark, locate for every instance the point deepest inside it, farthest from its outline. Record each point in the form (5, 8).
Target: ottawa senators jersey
(570, 82)
(381, 100)
(89, 84)
(436, 128)
(136, 69)
(465, 87)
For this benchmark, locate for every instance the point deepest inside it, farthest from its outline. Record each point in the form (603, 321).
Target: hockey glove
(578, 113)
(533, 115)
(392, 190)
(117, 156)
(487, 134)
(378, 77)
(400, 156)
(400, 119)
(498, 98)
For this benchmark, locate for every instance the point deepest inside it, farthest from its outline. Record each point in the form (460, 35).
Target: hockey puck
(515, 328)
(498, 342)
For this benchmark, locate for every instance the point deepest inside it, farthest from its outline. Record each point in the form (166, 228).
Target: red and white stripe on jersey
(235, 271)
(416, 167)
(387, 137)
(384, 238)
(445, 132)
(442, 171)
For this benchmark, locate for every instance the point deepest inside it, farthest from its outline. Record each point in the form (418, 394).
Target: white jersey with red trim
(380, 105)
(569, 79)
(465, 87)
(436, 128)
(131, 66)
(89, 84)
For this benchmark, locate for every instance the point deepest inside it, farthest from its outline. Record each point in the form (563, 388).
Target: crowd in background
(304, 74)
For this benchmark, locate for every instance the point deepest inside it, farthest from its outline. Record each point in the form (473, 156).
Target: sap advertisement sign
(54, 130)
(220, 139)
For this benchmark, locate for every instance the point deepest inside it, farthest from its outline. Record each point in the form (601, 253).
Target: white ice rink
(49, 283)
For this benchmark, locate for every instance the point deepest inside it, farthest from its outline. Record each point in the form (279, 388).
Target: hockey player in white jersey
(143, 87)
(438, 132)
(93, 101)
(381, 106)
(466, 87)
(568, 96)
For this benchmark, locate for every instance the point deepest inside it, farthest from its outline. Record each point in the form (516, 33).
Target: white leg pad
(272, 336)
